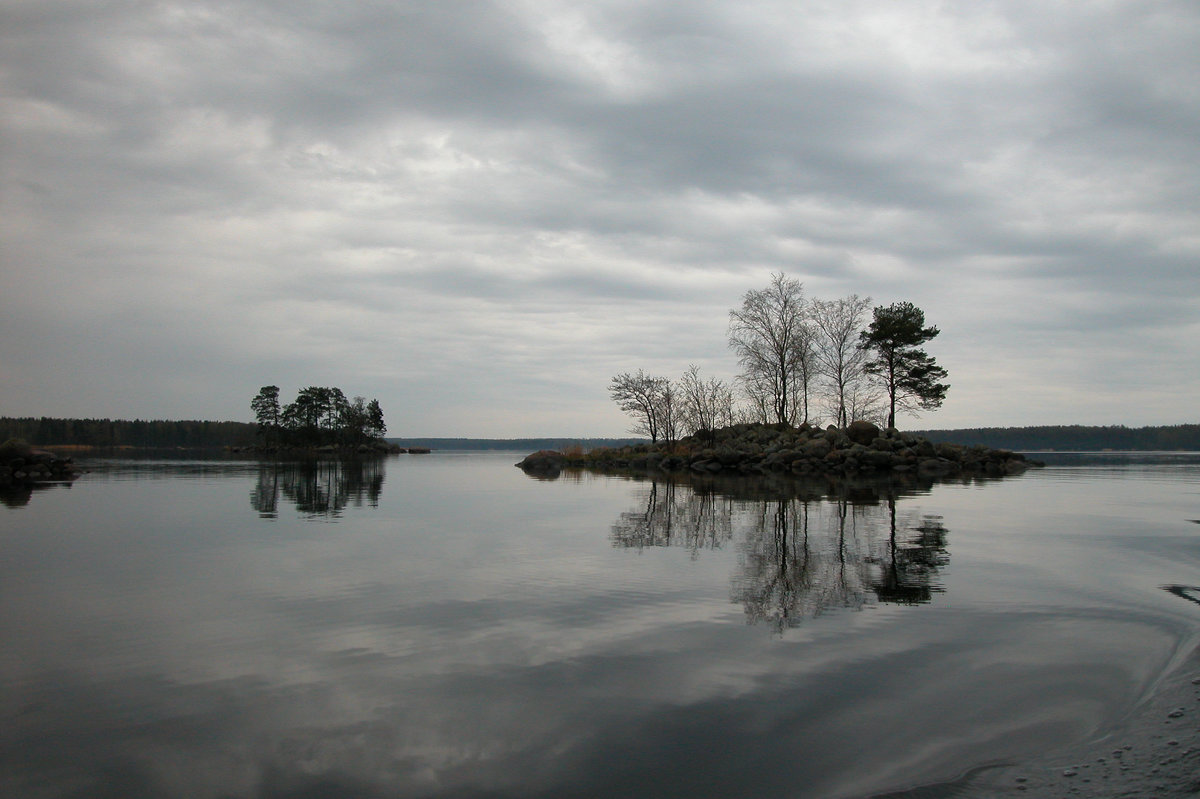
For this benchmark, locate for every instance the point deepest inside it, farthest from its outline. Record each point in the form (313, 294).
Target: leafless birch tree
(648, 400)
(842, 363)
(773, 342)
(707, 404)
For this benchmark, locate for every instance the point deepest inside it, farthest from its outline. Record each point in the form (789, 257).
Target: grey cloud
(301, 167)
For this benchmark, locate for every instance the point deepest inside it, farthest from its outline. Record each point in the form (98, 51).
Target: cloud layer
(480, 211)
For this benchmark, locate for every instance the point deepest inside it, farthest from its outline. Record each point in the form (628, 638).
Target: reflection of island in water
(18, 496)
(318, 487)
(814, 547)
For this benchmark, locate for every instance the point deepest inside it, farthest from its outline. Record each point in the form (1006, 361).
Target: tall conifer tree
(908, 374)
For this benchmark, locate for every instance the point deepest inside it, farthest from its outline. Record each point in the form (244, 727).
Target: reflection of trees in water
(676, 516)
(797, 561)
(801, 558)
(815, 548)
(913, 556)
(318, 487)
(1189, 592)
(18, 496)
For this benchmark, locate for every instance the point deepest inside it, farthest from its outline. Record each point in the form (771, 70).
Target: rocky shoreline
(862, 448)
(21, 465)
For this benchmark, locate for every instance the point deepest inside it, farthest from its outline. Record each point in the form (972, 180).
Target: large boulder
(935, 466)
(15, 448)
(861, 432)
(21, 464)
(925, 449)
(817, 448)
(544, 461)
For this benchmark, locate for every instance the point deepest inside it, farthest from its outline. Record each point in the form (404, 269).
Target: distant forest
(163, 434)
(155, 434)
(1068, 438)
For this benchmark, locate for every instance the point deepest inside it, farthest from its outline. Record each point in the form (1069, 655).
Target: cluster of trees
(802, 359)
(319, 416)
(668, 409)
(149, 434)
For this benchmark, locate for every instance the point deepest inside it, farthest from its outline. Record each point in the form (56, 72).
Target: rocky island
(22, 465)
(861, 448)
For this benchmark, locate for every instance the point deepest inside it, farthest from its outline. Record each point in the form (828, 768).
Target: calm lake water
(446, 626)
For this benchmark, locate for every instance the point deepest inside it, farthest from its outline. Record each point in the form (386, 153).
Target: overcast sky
(479, 212)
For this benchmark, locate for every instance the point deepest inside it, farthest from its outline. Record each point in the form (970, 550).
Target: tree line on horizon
(140, 433)
(196, 434)
(1081, 438)
(319, 416)
(803, 360)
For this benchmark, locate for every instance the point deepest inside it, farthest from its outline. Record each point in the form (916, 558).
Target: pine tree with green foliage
(267, 413)
(908, 374)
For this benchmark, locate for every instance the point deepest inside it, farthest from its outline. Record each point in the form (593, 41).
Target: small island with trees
(320, 419)
(820, 387)
(799, 358)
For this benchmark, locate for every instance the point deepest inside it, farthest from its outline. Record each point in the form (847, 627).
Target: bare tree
(727, 410)
(669, 410)
(841, 361)
(773, 342)
(866, 401)
(754, 406)
(642, 397)
(707, 404)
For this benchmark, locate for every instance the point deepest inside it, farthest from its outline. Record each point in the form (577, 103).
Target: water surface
(444, 625)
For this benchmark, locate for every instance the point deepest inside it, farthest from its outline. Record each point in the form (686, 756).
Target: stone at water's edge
(21, 464)
(860, 448)
(544, 460)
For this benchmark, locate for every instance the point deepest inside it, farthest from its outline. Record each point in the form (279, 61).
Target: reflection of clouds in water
(829, 547)
(358, 690)
(612, 724)
(472, 652)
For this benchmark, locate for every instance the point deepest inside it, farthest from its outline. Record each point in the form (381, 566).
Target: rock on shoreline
(22, 465)
(860, 448)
